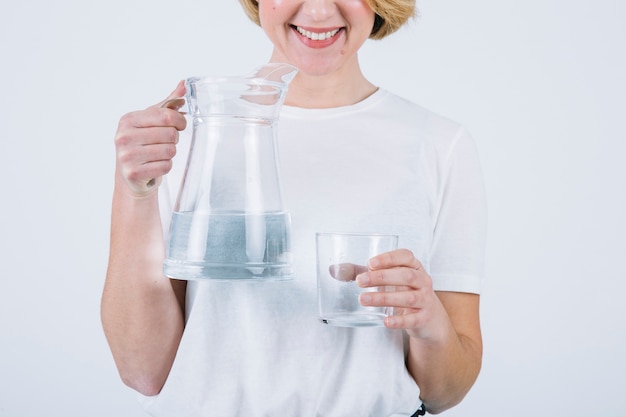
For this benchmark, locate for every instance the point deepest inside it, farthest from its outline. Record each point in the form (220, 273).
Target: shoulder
(432, 128)
(395, 106)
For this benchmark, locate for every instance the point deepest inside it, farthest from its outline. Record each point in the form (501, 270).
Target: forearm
(141, 313)
(446, 366)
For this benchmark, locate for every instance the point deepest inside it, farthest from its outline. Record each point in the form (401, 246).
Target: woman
(212, 349)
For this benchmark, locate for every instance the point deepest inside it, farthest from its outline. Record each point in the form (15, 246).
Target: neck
(341, 88)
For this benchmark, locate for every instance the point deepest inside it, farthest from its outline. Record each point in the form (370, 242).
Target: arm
(141, 310)
(445, 343)
(445, 369)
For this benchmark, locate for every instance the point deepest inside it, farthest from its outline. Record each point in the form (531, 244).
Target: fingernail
(362, 279)
(374, 263)
(366, 298)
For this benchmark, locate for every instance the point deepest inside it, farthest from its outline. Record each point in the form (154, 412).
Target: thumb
(179, 91)
(346, 271)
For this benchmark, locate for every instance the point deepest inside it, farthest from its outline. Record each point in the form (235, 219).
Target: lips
(317, 37)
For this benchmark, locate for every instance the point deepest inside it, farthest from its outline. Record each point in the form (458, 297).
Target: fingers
(153, 117)
(412, 306)
(402, 283)
(397, 275)
(400, 257)
(397, 258)
(414, 320)
(410, 299)
(140, 146)
(149, 135)
(145, 144)
(398, 287)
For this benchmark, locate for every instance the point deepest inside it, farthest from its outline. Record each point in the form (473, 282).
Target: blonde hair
(390, 14)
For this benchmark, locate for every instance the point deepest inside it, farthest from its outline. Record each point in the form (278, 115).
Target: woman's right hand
(145, 144)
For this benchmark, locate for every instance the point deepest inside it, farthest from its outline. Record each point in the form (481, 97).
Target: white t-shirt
(383, 165)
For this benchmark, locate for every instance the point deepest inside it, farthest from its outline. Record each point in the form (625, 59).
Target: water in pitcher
(230, 246)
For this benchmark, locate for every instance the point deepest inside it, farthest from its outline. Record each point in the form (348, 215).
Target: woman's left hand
(407, 287)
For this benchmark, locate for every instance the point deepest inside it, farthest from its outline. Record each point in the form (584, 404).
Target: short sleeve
(457, 261)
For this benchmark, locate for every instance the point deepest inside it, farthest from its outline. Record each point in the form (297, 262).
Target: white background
(540, 84)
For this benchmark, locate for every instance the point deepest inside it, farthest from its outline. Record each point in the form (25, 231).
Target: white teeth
(317, 36)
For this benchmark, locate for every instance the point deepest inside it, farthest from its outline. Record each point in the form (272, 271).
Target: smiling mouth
(316, 36)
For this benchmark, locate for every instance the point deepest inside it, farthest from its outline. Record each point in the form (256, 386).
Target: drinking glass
(340, 258)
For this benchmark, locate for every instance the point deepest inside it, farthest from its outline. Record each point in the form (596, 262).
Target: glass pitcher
(229, 222)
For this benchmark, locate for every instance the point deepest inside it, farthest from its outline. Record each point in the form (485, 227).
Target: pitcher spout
(275, 72)
(259, 94)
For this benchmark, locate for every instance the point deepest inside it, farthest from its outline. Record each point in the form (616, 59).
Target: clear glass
(229, 222)
(340, 258)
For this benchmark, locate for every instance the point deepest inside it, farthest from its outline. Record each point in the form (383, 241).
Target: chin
(316, 68)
